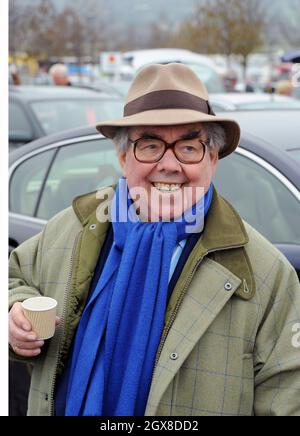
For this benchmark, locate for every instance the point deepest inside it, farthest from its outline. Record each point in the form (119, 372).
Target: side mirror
(19, 138)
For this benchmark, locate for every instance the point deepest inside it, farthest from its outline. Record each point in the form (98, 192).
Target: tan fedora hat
(166, 95)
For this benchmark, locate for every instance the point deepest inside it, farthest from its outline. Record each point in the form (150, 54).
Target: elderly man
(170, 304)
(59, 75)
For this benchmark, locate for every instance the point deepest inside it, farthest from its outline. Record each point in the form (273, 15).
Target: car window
(58, 115)
(18, 122)
(26, 182)
(260, 198)
(78, 169)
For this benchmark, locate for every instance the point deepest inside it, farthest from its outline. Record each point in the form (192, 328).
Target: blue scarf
(120, 329)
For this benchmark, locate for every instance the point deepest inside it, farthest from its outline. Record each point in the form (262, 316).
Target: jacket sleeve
(277, 350)
(24, 274)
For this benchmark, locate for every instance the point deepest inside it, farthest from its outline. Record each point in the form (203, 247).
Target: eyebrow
(188, 135)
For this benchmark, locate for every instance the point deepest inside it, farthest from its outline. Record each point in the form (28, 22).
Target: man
(59, 75)
(176, 306)
(284, 87)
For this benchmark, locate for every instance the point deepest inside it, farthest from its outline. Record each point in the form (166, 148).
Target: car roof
(49, 92)
(251, 97)
(270, 125)
(50, 139)
(158, 55)
(279, 159)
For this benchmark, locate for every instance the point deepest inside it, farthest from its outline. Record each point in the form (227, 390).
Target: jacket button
(173, 356)
(92, 226)
(228, 286)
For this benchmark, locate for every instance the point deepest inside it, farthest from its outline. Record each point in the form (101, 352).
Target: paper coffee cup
(41, 312)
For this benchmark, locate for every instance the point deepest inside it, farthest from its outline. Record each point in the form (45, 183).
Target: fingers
(21, 338)
(24, 352)
(29, 345)
(18, 318)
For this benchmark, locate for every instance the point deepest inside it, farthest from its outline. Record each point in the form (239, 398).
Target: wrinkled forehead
(166, 131)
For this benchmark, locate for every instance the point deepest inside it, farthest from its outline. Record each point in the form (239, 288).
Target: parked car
(233, 101)
(280, 128)
(36, 111)
(261, 180)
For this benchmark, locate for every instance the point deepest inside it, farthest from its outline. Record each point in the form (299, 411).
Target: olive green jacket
(229, 345)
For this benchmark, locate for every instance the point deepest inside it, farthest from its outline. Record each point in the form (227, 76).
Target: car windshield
(58, 115)
(208, 76)
(288, 103)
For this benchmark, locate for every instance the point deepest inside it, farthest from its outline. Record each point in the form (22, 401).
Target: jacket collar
(224, 228)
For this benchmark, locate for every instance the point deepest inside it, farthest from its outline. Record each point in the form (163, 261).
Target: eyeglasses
(187, 151)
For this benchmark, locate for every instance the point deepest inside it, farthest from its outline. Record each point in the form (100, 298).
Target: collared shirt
(175, 257)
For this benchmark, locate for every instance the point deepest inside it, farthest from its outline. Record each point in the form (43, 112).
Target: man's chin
(165, 215)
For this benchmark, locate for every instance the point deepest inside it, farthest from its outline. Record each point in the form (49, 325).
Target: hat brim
(171, 117)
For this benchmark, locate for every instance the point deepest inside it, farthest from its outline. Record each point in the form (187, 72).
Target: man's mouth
(167, 187)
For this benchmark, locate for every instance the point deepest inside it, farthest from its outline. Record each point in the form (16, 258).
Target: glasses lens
(189, 150)
(149, 150)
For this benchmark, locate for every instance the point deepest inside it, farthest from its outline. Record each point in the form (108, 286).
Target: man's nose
(169, 162)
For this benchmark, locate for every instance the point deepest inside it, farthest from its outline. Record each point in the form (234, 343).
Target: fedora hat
(166, 95)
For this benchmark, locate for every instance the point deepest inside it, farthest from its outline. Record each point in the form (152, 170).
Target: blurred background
(246, 41)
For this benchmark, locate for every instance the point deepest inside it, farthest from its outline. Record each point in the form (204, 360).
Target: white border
(4, 208)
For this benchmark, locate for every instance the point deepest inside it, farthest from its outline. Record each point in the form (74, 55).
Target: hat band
(167, 99)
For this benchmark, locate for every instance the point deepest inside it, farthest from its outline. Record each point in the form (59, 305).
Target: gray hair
(214, 131)
(59, 69)
(121, 139)
(217, 136)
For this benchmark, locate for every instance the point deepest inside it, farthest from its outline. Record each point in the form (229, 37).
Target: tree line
(80, 30)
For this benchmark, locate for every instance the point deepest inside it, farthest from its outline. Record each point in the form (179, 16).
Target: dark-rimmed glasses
(151, 150)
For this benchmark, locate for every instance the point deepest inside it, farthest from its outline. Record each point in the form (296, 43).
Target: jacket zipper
(175, 311)
(65, 300)
(179, 301)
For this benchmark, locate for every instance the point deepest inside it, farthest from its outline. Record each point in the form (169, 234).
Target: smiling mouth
(167, 187)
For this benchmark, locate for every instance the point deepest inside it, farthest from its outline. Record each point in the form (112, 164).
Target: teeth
(167, 186)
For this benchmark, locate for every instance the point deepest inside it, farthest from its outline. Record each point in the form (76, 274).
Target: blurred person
(230, 81)
(170, 304)
(14, 75)
(249, 87)
(59, 75)
(284, 87)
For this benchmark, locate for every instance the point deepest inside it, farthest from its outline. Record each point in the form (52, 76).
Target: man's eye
(150, 146)
(189, 148)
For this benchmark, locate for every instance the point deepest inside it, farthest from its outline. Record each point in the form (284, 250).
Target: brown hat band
(167, 99)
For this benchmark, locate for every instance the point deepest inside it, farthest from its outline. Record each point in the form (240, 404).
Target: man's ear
(122, 161)
(214, 159)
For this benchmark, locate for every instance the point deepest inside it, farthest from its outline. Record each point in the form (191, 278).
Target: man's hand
(22, 339)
